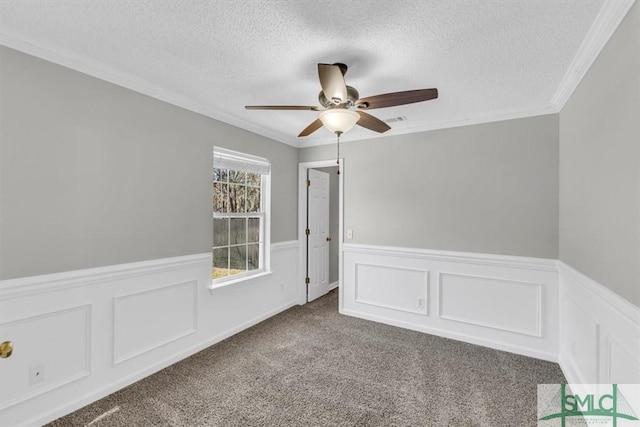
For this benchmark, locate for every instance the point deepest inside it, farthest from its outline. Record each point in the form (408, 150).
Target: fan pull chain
(338, 154)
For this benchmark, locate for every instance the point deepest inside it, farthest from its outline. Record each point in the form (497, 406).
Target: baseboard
(333, 285)
(456, 336)
(502, 302)
(231, 332)
(568, 369)
(89, 312)
(560, 314)
(158, 366)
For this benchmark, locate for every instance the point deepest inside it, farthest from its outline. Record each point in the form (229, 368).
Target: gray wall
(490, 188)
(600, 167)
(334, 221)
(94, 174)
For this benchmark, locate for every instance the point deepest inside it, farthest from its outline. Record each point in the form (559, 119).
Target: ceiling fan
(341, 107)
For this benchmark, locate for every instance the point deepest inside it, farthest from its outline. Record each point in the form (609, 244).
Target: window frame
(264, 240)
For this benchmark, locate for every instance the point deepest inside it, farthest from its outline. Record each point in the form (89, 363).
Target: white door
(318, 237)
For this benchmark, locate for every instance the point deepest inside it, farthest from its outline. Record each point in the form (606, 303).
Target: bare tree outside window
(238, 218)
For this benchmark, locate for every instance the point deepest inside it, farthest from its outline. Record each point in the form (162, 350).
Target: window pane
(253, 199)
(238, 257)
(237, 177)
(253, 256)
(238, 231)
(254, 179)
(220, 175)
(220, 262)
(237, 198)
(238, 218)
(220, 197)
(254, 230)
(220, 231)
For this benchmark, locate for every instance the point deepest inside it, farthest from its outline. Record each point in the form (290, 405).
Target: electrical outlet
(420, 302)
(36, 374)
(281, 286)
(349, 234)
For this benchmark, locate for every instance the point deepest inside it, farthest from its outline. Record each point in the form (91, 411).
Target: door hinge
(307, 231)
(307, 280)
(308, 183)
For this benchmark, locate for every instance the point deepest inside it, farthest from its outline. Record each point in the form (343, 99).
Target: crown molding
(610, 16)
(606, 22)
(102, 71)
(498, 117)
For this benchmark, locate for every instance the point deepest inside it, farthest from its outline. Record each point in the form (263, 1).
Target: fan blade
(332, 82)
(283, 107)
(397, 98)
(373, 123)
(317, 124)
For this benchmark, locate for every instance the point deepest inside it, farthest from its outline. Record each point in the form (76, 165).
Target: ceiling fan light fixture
(339, 120)
(338, 103)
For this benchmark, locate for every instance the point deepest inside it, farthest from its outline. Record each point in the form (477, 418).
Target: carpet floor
(310, 366)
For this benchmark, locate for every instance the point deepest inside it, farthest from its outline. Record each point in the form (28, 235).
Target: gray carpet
(311, 366)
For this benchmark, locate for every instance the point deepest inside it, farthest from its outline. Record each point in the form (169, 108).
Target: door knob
(328, 239)
(6, 348)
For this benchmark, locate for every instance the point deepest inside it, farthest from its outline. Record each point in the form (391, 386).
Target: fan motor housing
(352, 97)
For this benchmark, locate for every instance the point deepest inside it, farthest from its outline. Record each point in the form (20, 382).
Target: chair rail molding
(116, 330)
(504, 302)
(536, 307)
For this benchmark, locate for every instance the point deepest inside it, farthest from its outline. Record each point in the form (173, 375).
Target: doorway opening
(320, 228)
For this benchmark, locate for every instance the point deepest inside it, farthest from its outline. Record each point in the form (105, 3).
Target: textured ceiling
(490, 60)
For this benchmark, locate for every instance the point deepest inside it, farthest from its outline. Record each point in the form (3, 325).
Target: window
(240, 215)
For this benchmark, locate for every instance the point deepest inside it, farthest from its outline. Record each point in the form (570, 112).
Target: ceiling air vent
(396, 119)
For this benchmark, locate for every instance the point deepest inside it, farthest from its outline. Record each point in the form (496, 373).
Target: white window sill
(224, 284)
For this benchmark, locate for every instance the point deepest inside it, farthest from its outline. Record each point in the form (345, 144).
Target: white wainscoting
(91, 332)
(44, 359)
(600, 332)
(535, 307)
(143, 321)
(409, 292)
(476, 300)
(503, 302)
(85, 334)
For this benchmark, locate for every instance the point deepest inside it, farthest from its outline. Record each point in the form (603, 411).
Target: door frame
(302, 221)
